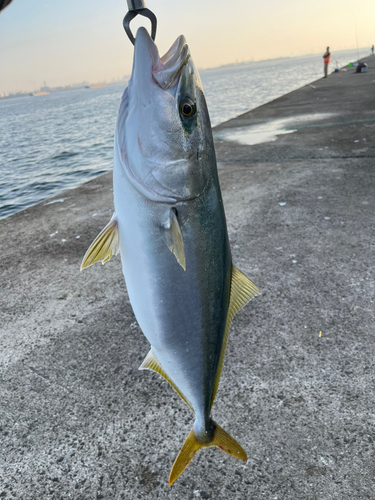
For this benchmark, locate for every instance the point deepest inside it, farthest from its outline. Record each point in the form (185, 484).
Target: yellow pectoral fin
(105, 245)
(242, 290)
(174, 239)
(190, 447)
(151, 363)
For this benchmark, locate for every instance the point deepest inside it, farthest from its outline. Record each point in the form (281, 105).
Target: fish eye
(187, 108)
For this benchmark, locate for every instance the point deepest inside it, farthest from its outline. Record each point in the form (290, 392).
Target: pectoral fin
(105, 245)
(151, 363)
(173, 238)
(241, 291)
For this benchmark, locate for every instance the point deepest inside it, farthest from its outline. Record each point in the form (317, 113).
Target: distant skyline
(63, 43)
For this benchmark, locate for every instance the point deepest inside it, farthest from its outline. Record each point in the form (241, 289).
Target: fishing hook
(138, 7)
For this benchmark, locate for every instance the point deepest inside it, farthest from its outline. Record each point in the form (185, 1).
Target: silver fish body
(182, 313)
(170, 228)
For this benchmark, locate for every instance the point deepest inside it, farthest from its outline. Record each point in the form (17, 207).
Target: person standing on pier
(372, 50)
(326, 59)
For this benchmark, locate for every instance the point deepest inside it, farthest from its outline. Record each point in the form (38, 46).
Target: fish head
(163, 131)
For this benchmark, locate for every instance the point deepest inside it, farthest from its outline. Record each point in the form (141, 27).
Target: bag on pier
(361, 68)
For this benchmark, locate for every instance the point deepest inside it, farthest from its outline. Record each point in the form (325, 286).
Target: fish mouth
(165, 70)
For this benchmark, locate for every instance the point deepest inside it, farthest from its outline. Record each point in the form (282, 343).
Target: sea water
(55, 142)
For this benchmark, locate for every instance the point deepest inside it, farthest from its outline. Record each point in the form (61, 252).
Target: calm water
(55, 142)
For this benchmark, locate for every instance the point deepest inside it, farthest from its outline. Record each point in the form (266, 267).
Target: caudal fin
(221, 440)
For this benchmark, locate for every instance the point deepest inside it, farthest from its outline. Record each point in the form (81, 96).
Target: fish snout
(146, 60)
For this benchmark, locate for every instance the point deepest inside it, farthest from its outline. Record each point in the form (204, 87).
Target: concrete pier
(77, 418)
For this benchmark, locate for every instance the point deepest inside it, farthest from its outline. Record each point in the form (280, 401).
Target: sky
(71, 41)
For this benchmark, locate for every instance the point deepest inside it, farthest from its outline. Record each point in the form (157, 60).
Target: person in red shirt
(326, 59)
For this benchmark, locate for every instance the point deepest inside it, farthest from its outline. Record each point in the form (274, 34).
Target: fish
(170, 230)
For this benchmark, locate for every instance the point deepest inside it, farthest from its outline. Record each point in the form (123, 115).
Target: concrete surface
(77, 418)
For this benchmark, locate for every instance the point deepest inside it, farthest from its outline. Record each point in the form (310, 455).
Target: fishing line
(356, 35)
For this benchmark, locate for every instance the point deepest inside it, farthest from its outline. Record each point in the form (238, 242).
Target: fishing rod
(138, 7)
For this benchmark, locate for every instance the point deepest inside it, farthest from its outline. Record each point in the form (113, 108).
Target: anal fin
(151, 363)
(105, 245)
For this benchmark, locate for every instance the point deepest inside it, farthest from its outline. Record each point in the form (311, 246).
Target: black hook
(138, 7)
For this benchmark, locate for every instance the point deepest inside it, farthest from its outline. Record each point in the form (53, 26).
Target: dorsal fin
(173, 238)
(106, 244)
(151, 363)
(241, 291)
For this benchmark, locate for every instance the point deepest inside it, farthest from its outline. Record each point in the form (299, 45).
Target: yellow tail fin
(221, 440)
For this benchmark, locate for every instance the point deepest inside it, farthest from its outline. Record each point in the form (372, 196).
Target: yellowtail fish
(169, 227)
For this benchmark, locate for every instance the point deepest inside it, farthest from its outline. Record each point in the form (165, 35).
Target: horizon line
(207, 68)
